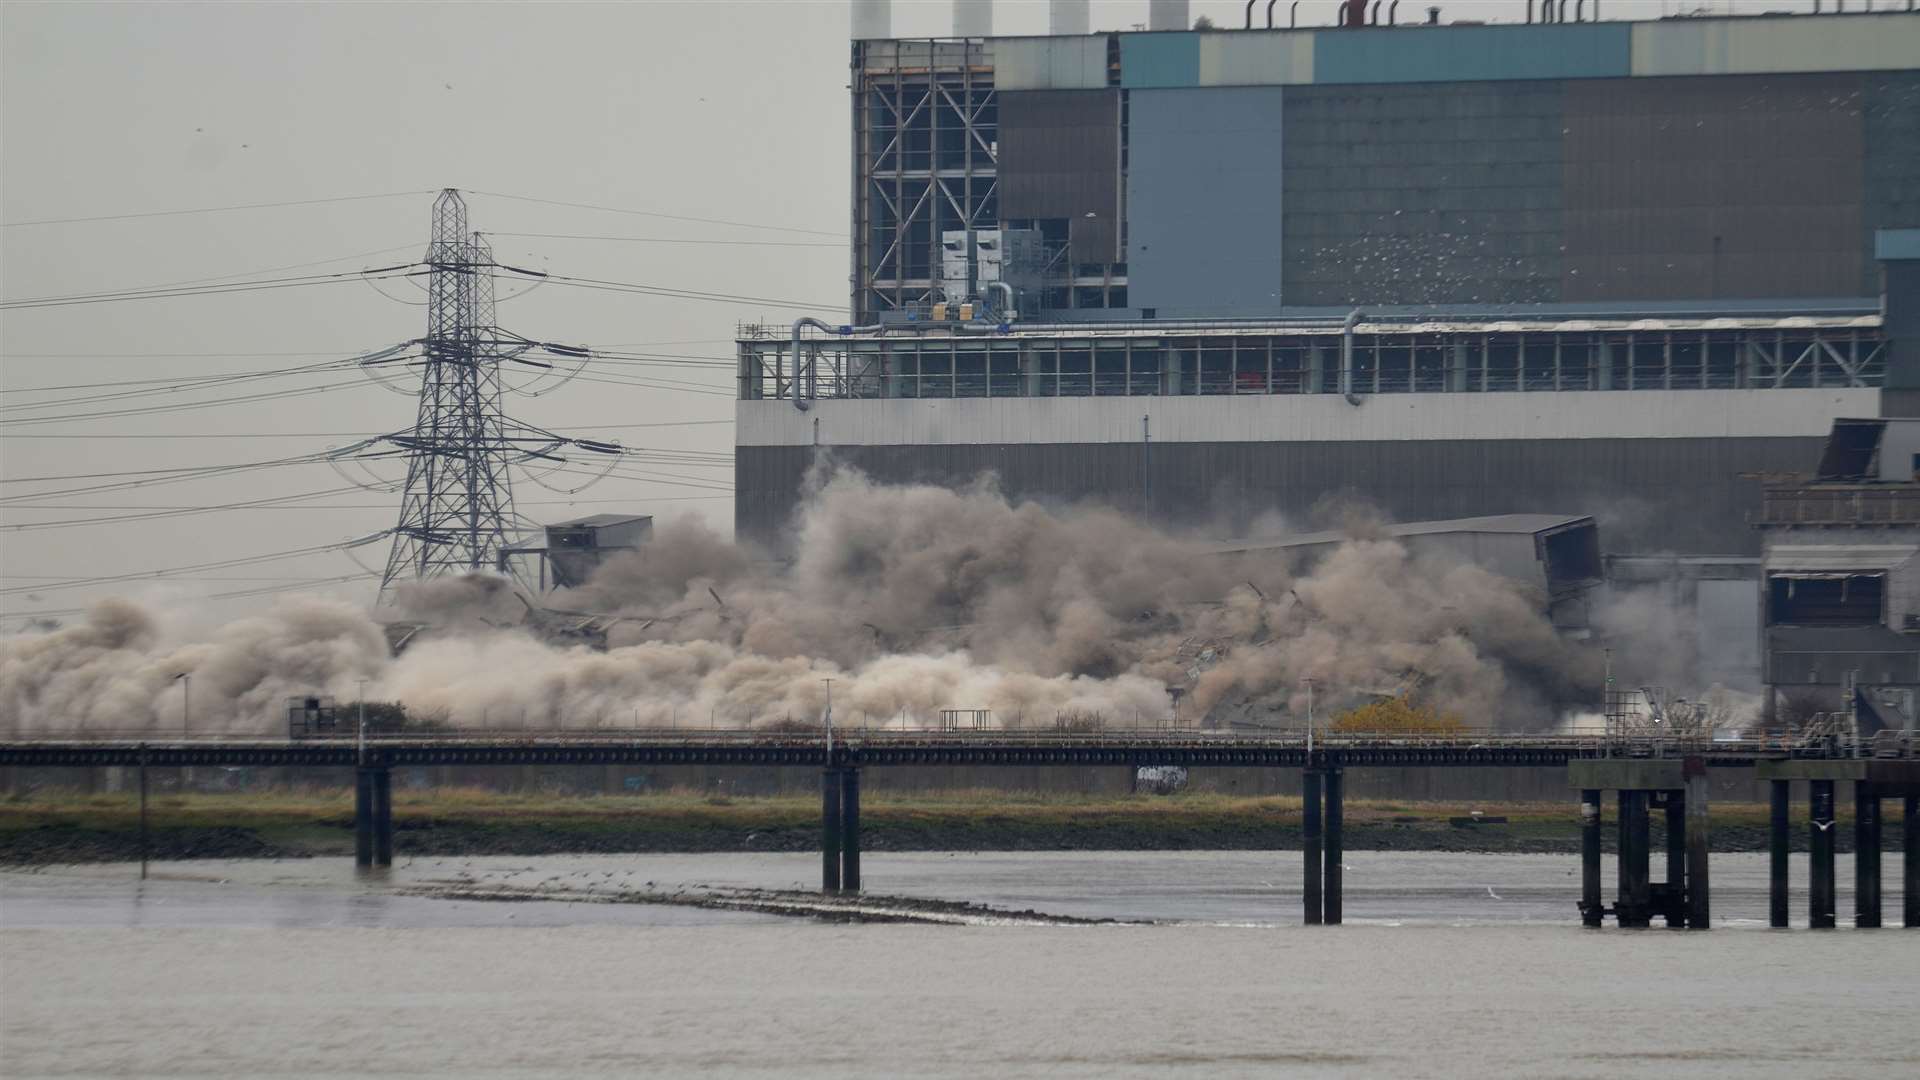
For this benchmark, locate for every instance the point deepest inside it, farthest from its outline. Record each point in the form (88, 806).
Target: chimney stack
(1068, 17)
(972, 18)
(871, 19)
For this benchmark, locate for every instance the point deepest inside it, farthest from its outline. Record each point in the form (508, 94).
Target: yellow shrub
(1399, 716)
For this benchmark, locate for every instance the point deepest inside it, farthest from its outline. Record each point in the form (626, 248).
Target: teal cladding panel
(1896, 244)
(1159, 61)
(1472, 53)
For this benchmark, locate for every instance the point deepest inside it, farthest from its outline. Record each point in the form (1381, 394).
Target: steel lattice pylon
(458, 496)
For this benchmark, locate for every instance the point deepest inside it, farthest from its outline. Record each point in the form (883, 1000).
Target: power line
(269, 285)
(218, 564)
(211, 209)
(657, 214)
(677, 240)
(636, 288)
(327, 434)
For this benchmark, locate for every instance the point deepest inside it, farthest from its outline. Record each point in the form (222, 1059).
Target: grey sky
(727, 109)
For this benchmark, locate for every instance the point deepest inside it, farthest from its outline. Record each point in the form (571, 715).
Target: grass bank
(54, 826)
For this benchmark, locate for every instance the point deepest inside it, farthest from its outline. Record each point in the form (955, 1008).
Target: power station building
(1627, 269)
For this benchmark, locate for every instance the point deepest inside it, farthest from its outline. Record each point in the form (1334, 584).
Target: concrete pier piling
(383, 817)
(1633, 907)
(1699, 881)
(1310, 834)
(1820, 822)
(363, 817)
(830, 831)
(850, 830)
(1592, 911)
(1866, 855)
(1910, 889)
(1679, 788)
(1778, 840)
(1331, 902)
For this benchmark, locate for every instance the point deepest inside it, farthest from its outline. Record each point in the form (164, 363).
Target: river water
(1450, 965)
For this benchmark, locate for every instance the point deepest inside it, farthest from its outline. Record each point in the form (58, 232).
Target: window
(1825, 599)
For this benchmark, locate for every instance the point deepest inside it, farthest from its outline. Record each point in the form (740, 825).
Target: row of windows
(1292, 365)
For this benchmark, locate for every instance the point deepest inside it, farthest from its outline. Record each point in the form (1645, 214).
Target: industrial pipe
(1346, 352)
(1579, 15)
(1374, 17)
(1293, 14)
(806, 321)
(1011, 311)
(1250, 4)
(1393, 13)
(1529, 12)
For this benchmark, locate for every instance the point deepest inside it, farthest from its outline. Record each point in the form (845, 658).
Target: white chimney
(1167, 15)
(872, 19)
(1068, 17)
(972, 18)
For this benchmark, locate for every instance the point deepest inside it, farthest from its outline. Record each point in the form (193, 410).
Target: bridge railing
(1886, 744)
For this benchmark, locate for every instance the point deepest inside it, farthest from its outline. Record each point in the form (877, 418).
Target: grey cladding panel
(1203, 201)
(1698, 188)
(1418, 194)
(1059, 157)
(1685, 496)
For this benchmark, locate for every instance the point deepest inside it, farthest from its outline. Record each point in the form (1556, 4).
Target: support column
(363, 817)
(1310, 833)
(383, 817)
(850, 830)
(1820, 914)
(1590, 904)
(1866, 855)
(1777, 844)
(144, 838)
(1331, 900)
(1699, 888)
(1675, 805)
(830, 841)
(1910, 892)
(1631, 908)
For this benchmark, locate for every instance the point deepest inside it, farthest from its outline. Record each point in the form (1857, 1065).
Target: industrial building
(1626, 269)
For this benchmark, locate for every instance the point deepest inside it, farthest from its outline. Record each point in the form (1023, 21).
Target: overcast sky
(729, 110)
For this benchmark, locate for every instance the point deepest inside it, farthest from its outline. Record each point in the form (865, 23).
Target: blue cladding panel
(1159, 60)
(1203, 200)
(1464, 53)
(1896, 244)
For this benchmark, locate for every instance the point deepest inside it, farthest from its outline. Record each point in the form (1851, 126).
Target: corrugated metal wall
(1060, 158)
(1743, 186)
(1685, 496)
(1418, 194)
(1204, 201)
(1890, 103)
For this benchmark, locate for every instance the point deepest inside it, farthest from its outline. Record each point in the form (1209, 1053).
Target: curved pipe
(1293, 14)
(1373, 18)
(1579, 12)
(802, 323)
(1393, 13)
(1529, 12)
(1011, 311)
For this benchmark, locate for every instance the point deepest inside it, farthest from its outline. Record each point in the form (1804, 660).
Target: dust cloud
(911, 599)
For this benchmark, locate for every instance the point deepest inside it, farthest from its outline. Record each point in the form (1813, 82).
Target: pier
(1644, 776)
